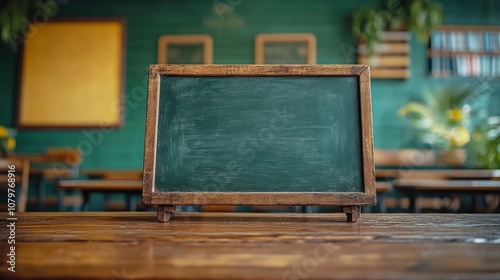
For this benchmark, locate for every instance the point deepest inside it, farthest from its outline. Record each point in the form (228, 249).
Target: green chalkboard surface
(259, 135)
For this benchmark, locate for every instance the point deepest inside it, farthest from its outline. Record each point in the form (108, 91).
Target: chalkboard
(286, 53)
(185, 54)
(259, 135)
(285, 49)
(185, 49)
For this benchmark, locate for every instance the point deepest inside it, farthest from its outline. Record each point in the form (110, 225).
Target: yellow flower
(459, 137)
(11, 143)
(3, 132)
(455, 115)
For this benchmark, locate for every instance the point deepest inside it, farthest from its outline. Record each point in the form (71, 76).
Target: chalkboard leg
(165, 212)
(352, 213)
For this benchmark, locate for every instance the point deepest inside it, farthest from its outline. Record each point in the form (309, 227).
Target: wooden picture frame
(187, 56)
(152, 194)
(72, 75)
(283, 43)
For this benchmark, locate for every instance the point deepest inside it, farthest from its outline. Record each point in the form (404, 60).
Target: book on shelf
(465, 52)
(465, 66)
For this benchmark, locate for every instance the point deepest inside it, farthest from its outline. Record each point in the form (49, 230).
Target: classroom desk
(53, 169)
(124, 245)
(408, 181)
(445, 174)
(415, 187)
(87, 187)
(106, 174)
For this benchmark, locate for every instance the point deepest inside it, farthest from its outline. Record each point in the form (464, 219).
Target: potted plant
(418, 16)
(443, 120)
(368, 25)
(15, 16)
(486, 144)
(423, 18)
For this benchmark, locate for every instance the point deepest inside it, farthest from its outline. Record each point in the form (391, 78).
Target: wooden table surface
(117, 245)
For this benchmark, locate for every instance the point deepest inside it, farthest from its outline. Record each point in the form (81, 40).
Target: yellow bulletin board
(72, 75)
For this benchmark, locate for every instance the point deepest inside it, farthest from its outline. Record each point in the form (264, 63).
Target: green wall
(233, 37)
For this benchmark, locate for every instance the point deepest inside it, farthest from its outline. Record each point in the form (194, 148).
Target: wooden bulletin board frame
(349, 201)
(72, 75)
(202, 39)
(262, 39)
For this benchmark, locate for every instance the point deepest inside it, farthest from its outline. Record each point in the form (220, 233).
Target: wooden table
(54, 164)
(87, 187)
(449, 174)
(105, 174)
(124, 245)
(415, 187)
(412, 182)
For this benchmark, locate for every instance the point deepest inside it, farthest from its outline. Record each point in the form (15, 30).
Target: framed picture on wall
(71, 75)
(185, 49)
(285, 49)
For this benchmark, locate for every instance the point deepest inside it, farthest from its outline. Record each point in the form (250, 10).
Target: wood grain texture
(254, 246)
(234, 70)
(388, 73)
(390, 59)
(367, 133)
(388, 48)
(175, 114)
(261, 198)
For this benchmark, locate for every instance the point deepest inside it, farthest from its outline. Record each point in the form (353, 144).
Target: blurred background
(435, 87)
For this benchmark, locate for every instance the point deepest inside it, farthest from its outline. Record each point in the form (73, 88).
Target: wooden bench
(87, 187)
(415, 187)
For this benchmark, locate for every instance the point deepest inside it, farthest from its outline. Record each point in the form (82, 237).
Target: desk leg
(352, 213)
(40, 189)
(381, 203)
(165, 212)
(86, 200)
(60, 200)
(306, 209)
(412, 196)
(129, 202)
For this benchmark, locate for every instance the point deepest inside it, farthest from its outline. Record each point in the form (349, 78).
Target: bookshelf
(465, 51)
(391, 59)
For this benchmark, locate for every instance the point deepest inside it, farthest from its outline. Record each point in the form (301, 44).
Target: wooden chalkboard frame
(350, 202)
